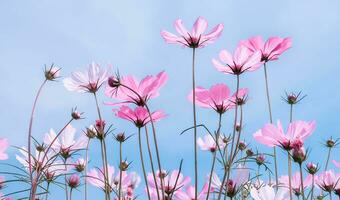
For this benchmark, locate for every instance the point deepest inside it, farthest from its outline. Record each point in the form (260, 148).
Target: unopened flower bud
(238, 127)
(113, 82)
(330, 143)
(312, 168)
(52, 73)
(75, 114)
(40, 148)
(91, 132)
(73, 181)
(80, 165)
(120, 137)
(124, 166)
(249, 152)
(299, 155)
(231, 188)
(242, 146)
(100, 126)
(260, 159)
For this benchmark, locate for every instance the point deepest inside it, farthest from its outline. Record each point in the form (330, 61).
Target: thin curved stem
(195, 122)
(214, 154)
(312, 190)
(85, 170)
(29, 139)
(328, 157)
(271, 121)
(142, 162)
(65, 183)
(47, 188)
(71, 194)
(151, 161)
(229, 163)
(302, 187)
(104, 156)
(290, 176)
(120, 171)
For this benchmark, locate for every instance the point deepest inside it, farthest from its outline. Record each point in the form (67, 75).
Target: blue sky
(72, 34)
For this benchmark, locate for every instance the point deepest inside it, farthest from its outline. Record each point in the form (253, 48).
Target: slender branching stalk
(229, 162)
(104, 156)
(312, 190)
(142, 162)
(120, 170)
(86, 162)
(194, 117)
(271, 121)
(301, 185)
(65, 181)
(214, 153)
(151, 161)
(290, 175)
(328, 157)
(29, 141)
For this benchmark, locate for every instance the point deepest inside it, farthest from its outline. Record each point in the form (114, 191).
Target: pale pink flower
(268, 193)
(243, 60)
(3, 147)
(96, 177)
(232, 186)
(189, 193)
(337, 164)
(217, 98)
(87, 81)
(80, 164)
(66, 142)
(296, 134)
(208, 143)
(196, 38)
(328, 180)
(271, 49)
(48, 164)
(130, 90)
(169, 180)
(139, 116)
(296, 182)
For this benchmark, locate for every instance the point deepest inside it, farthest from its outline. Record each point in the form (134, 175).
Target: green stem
(271, 121)
(328, 157)
(151, 161)
(104, 156)
(214, 153)
(290, 176)
(312, 190)
(195, 123)
(302, 187)
(65, 184)
(120, 171)
(47, 188)
(142, 162)
(29, 141)
(229, 163)
(86, 159)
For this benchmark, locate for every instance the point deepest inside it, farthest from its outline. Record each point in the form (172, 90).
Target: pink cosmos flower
(231, 187)
(268, 193)
(194, 39)
(208, 143)
(139, 116)
(129, 181)
(243, 60)
(328, 180)
(129, 90)
(50, 168)
(3, 147)
(217, 98)
(297, 132)
(296, 182)
(189, 193)
(169, 180)
(271, 49)
(87, 81)
(66, 142)
(337, 164)
(96, 177)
